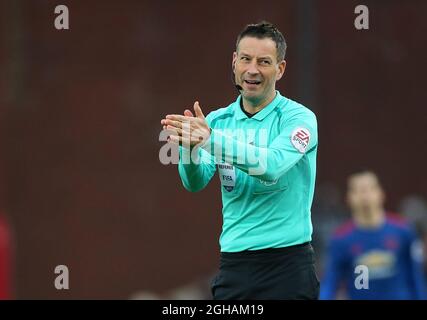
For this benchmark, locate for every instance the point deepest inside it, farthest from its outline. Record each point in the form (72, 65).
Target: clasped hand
(187, 130)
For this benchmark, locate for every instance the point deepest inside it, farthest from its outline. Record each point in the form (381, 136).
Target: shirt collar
(260, 115)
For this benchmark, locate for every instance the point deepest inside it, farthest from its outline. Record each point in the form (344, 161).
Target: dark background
(81, 183)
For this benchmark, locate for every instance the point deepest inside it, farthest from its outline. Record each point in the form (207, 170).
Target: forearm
(194, 171)
(266, 163)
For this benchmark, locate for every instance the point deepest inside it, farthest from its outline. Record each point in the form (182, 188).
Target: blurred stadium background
(80, 179)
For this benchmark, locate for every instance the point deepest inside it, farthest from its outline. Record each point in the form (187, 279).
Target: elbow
(266, 168)
(265, 173)
(270, 169)
(192, 188)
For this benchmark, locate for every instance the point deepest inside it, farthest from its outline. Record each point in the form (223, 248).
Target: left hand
(188, 130)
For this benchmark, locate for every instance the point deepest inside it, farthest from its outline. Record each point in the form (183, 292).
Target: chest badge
(227, 176)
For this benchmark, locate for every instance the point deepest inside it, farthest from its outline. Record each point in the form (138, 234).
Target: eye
(266, 62)
(244, 58)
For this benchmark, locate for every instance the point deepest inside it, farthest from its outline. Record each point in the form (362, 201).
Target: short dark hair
(263, 30)
(362, 171)
(357, 171)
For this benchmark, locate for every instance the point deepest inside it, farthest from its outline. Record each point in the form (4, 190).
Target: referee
(264, 146)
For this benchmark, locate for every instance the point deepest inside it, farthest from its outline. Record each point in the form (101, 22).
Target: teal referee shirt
(267, 168)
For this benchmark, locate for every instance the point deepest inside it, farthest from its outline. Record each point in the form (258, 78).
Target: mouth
(252, 82)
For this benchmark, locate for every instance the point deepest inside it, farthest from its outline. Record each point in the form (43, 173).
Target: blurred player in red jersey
(5, 259)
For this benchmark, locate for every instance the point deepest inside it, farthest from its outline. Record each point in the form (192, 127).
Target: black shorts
(276, 274)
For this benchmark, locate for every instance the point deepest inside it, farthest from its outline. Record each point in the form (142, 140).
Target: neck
(253, 106)
(370, 218)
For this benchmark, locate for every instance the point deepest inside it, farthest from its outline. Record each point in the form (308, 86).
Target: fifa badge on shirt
(227, 176)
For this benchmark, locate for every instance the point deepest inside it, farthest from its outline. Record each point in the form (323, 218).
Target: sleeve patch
(300, 139)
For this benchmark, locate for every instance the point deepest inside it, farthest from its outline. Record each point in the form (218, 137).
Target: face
(256, 68)
(364, 192)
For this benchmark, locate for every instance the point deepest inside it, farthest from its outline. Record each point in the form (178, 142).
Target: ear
(233, 63)
(282, 67)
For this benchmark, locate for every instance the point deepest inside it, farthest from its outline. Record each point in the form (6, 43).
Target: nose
(252, 69)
